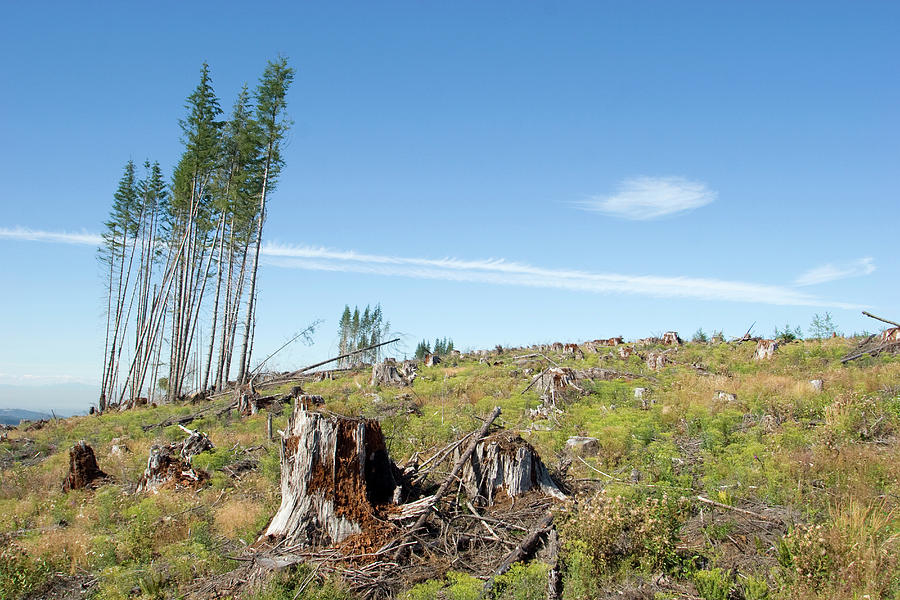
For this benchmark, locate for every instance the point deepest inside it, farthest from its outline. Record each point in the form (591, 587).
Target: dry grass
(236, 516)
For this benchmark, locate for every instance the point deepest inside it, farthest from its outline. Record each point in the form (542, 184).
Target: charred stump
(506, 463)
(83, 469)
(336, 476)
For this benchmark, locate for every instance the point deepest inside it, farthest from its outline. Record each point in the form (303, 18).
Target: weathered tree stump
(671, 338)
(83, 469)
(170, 465)
(335, 476)
(390, 372)
(504, 462)
(765, 349)
(555, 380)
(657, 360)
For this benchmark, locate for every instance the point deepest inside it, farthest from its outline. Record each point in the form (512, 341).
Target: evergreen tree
(271, 101)
(423, 349)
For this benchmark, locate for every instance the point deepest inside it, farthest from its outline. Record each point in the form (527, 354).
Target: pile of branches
(887, 341)
(477, 505)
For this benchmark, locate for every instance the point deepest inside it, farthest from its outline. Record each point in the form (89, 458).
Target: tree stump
(390, 372)
(506, 462)
(170, 465)
(765, 349)
(83, 469)
(555, 380)
(336, 477)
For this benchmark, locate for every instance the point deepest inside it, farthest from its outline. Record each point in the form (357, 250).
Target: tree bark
(335, 475)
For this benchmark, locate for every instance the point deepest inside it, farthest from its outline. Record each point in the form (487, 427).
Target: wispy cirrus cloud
(496, 271)
(26, 234)
(839, 270)
(646, 198)
(503, 272)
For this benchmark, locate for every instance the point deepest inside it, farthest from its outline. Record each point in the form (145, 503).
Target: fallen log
(874, 350)
(554, 576)
(525, 549)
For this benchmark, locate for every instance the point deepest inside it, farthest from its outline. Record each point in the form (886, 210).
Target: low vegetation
(772, 490)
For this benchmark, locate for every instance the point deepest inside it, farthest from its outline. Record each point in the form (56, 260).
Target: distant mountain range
(64, 399)
(12, 416)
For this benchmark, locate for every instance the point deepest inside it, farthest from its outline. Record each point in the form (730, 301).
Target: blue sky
(494, 172)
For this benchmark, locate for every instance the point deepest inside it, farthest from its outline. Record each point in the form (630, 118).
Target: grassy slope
(828, 459)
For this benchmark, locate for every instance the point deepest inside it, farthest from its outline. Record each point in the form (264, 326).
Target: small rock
(118, 447)
(583, 445)
(639, 392)
(635, 475)
(817, 385)
(726, 396)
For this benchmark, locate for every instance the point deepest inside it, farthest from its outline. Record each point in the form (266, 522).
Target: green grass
(831, 458)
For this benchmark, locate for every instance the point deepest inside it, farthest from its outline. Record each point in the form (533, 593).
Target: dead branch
(874, 350)
(450, 479)
(868, 314)
(521, 552)
(738, 510)
(348, 354)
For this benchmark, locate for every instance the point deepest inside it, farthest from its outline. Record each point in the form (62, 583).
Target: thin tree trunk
(215, 312)
(242, 374)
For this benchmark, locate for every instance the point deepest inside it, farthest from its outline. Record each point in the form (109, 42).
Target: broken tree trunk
(83, 469)
(504, 462)
(765, 349)
(170, 465)
(335, 475)
(555, 380)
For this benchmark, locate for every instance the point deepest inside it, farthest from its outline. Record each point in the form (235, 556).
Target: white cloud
(502, 272)
(645, 198)
(834, 271)
(26, 234)
(497, 271)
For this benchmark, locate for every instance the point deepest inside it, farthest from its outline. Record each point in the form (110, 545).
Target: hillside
(64, 399)
(723, 477)
(12, 416)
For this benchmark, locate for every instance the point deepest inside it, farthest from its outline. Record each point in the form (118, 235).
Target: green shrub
(639, 532)
(714, 584)
(20, 574)
(755, 588)
(522, 582)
